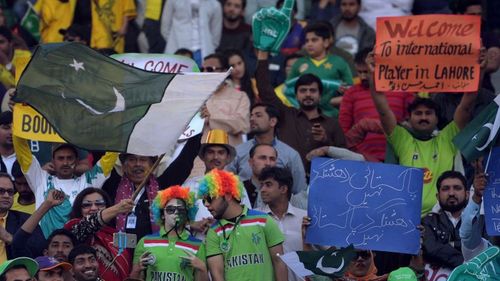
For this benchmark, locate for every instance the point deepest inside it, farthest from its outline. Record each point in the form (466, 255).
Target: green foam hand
(484, 266)
(270, 27)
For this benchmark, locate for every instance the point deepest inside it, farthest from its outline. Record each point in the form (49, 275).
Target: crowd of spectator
(62, 207)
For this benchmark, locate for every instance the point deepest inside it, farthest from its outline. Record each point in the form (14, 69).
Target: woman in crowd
(172, 252)
(92, 222)
(239, 76)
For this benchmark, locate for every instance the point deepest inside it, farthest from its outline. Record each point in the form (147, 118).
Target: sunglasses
(172, 209)
(97, 203)
(363, 254)
(210, 69)
(207, 200)
(9, 191)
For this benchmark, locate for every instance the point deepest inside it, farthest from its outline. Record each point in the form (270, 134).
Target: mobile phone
(125, 240)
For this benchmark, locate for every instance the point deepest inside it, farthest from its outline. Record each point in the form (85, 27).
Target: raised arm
(264, 86)
(19, 245)
(465, 108)
(387, 117)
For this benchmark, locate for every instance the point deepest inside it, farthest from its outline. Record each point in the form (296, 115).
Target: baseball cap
(402, 274)
(30, 265)
(48, 263)
(57, 146)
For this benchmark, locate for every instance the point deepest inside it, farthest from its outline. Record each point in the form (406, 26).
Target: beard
(453, 207)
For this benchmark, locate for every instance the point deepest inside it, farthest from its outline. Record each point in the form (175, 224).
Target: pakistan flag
(332, 263)
(481, 133)
(98, 103)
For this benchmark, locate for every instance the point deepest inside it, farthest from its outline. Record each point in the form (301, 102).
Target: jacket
(366, 35)
(442, 244)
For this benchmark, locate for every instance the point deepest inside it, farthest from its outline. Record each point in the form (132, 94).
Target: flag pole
(146, 177)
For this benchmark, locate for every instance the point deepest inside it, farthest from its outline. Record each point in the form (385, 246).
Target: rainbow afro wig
(173, 192)
(217, 183)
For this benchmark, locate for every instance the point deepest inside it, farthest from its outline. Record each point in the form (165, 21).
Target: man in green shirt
(243, 244)
(421, 145)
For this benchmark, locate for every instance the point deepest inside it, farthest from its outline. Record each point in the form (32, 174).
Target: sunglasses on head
(172, 209)
(363, 254)
(9, 191)
(97, 203)
(210, 69)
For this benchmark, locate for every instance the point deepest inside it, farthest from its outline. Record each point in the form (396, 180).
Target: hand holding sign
(270, 27)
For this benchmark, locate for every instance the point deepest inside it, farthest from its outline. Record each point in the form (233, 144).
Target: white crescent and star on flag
(120, 100)
(329, 270)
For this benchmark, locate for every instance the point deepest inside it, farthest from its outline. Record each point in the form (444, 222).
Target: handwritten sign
(431, 53)
(373, 206)
(158, 62)
(491, 195)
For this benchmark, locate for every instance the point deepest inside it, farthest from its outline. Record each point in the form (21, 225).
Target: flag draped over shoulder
(98, 103)
(332, 263)
(481, 133)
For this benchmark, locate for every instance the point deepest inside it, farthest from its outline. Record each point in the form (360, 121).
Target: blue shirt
(287, 158)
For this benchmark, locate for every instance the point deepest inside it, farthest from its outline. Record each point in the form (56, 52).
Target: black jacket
(442, 244)
(29, 245)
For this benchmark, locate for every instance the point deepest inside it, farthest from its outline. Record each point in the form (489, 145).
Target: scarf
(125, 190)
(371, 275)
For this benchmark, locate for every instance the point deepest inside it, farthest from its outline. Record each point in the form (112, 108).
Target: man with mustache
(421, 145)
(442, 245)
(64, 160)
(124, 181)
(236, 34)
(358, 115)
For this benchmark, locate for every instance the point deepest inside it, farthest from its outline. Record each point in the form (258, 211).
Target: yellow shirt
(122, 10)
(56, 15)
(29, 209)
(6, 77)
(3, 251)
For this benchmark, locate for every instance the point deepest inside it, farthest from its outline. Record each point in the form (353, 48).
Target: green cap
(30, 264)
(402, 274)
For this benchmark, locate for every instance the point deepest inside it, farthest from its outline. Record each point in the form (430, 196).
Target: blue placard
(491, 195)
(373, 206)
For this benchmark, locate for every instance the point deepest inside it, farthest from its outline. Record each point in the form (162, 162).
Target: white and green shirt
(245, 245)
(167, 252)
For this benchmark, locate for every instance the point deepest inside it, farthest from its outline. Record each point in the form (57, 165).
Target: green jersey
(435, 156)
(167, 252)
(245, 245)
(333, 72)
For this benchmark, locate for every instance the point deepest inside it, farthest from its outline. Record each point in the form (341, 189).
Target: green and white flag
(98, 103)
(481, 133)
(31, 22)
(332, 263)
